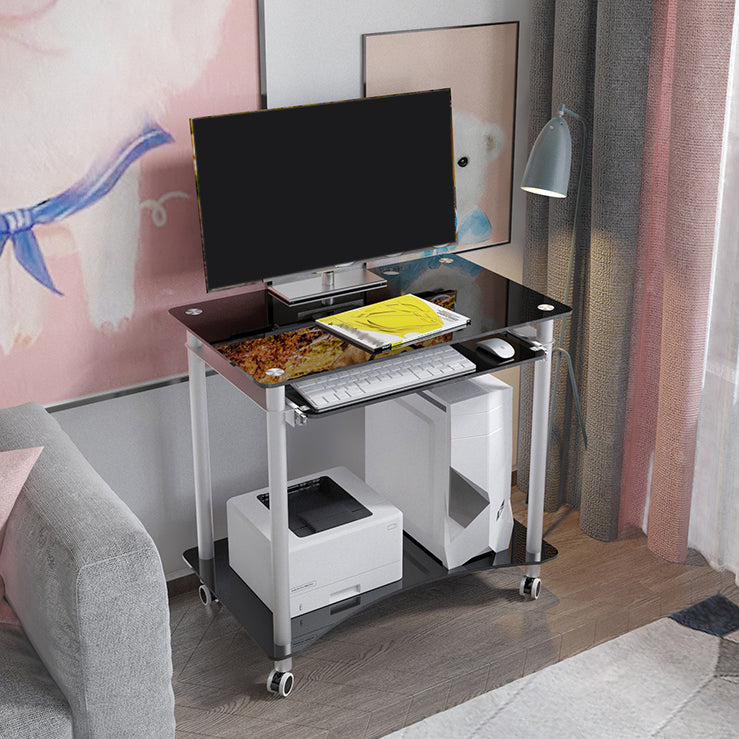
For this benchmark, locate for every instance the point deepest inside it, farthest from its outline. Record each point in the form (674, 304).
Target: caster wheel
(206, 596)
(280, 683)
(530, 587)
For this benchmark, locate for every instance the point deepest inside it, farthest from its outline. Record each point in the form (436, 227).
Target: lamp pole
(570, 268)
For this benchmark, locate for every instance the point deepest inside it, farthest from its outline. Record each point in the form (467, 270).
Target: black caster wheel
(206, 595)
(280, 683)
(530, 587)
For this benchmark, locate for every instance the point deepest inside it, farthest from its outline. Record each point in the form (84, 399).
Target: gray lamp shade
(548, 169)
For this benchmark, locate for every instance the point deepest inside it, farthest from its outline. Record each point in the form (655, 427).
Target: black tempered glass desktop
(246, 335)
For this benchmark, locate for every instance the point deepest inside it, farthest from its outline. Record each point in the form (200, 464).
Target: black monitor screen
(288, 190)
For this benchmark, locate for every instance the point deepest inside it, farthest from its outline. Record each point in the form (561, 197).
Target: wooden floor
(426, 650)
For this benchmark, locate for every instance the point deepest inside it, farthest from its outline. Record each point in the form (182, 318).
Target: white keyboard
(381, 377)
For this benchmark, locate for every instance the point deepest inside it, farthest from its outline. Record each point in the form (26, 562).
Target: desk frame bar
(279, 524)
(538, 458)
(200, 448)
(277, 475)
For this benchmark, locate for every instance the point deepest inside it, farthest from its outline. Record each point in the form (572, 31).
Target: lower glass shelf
(419, 568)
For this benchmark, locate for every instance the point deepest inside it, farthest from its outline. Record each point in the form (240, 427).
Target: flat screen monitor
(295, 190)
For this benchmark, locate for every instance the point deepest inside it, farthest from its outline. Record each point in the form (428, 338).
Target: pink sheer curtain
(691, 47)
(714, 512)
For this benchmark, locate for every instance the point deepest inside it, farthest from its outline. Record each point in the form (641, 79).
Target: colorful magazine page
(390, 323)
(297, 353)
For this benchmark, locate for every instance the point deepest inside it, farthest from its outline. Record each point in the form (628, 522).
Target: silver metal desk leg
(530, 585)
(200, 449)
(280, 679)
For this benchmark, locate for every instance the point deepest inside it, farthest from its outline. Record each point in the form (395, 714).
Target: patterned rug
(677, 677)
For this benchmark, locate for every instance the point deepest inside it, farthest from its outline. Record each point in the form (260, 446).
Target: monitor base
(326, 285)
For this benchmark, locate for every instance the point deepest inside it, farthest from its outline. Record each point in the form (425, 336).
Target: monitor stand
(326, 285)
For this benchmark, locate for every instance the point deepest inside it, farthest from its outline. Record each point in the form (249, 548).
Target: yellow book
(390, 323)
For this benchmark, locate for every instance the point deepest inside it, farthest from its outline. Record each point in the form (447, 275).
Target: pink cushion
(15, 467)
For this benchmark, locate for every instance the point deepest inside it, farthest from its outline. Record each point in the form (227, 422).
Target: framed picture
(479, 64)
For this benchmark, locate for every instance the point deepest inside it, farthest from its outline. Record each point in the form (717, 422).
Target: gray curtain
(593, 56)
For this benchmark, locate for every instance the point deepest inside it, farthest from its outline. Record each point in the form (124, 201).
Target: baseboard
(185, 584)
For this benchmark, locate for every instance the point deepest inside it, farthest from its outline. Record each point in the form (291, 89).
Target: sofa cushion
(14, 468)
(32, 704)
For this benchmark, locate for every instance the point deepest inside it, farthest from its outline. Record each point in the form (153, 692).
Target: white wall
(312, 52)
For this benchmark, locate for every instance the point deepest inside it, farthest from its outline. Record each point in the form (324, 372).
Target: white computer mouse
(498, 347)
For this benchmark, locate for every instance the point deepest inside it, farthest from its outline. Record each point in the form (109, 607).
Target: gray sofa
(93, 656)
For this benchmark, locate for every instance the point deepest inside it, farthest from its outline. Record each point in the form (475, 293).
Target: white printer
(344, 540)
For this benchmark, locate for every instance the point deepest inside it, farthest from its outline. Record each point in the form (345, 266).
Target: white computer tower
(444, 458)
(344, 540)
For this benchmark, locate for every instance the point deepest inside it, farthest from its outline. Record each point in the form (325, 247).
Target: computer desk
(259, 345)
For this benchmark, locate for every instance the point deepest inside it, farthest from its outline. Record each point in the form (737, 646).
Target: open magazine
(390, 323)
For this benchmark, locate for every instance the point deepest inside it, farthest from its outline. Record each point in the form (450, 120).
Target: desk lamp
(548, 173)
